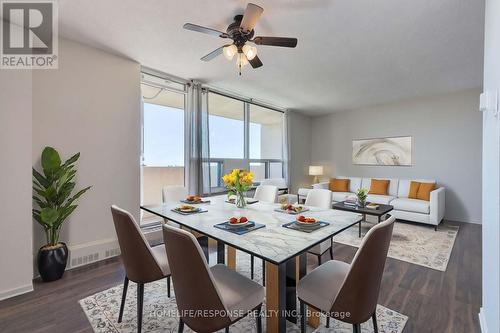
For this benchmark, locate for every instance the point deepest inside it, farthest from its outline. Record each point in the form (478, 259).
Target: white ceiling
(350, 53)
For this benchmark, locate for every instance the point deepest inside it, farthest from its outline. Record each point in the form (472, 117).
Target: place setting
(287, 208)
(188, 210)
(195, 200)
(239, 225)
(305, 224)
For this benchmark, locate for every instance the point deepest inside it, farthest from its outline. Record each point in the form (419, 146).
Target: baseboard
(482, 321)
(16, 291)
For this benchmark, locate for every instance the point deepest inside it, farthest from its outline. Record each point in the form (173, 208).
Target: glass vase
(240, 200)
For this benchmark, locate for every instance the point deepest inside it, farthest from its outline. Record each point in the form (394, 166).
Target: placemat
(249, 201)
(291, 212)
(191, 212)
(195, 202)
(293, 225)
(251, 226)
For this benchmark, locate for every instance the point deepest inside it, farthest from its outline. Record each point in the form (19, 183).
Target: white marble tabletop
(273, 243)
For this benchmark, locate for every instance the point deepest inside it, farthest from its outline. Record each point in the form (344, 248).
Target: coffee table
(379, 212)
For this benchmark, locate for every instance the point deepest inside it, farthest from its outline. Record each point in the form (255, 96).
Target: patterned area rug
(160, 312)
(416, 244)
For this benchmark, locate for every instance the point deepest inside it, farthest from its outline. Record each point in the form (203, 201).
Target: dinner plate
(237, 225)
(307, 224)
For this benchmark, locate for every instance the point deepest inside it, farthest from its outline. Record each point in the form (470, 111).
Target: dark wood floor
(434, 301)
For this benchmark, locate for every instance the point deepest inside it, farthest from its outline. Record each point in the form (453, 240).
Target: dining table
(283, 250)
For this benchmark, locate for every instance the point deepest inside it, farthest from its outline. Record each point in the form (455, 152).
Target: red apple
(243, 219)
(233, 220)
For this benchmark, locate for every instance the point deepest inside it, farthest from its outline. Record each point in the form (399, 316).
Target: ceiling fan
(241, 31)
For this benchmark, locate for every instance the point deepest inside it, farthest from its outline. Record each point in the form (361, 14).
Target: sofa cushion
(404, 186)
(411, 205)
(339, 185)
(392, 189)
(354, 183)
(424, 191)
(379, 186)
(412, 193)
(380, 199)
(341, 196)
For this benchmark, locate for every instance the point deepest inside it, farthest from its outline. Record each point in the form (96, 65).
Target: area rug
(160, 311)
(416, 244)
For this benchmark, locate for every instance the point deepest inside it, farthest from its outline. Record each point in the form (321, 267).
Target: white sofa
(429, 212)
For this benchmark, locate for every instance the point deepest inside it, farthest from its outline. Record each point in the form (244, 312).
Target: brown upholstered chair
(224, 294)
(336, 288)
(142, 262)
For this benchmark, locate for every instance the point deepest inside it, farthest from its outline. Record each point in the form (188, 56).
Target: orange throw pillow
(412, 194)
(424, 191)
(379, 186)
(339, 185)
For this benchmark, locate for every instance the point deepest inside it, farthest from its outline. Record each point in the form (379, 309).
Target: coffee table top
(381, 209)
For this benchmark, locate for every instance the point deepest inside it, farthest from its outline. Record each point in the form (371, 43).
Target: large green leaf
(64, 213)
(49, 216)
(50, 161)
(71, 160)
(77, 195)
(64, 192)
(41, 179)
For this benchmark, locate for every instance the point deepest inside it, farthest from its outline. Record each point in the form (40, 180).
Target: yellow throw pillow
(412, 194)
(379, 186)
(339, 185)
(424, 191)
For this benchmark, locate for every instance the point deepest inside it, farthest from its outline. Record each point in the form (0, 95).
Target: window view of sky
(164, 136)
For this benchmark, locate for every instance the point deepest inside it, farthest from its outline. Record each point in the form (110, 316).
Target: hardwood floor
(434, 301)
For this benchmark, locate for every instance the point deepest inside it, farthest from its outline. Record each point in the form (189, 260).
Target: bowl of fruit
(237, 221)
(306, 221)
(289, 208)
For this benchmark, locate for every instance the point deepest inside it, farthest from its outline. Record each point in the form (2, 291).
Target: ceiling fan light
(249, 51)
(241, 60)
(229, 51)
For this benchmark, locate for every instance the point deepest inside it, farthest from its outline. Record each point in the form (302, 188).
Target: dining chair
(143, 263)
(337, 288)
(176, 193)
(222, 292)
(320, 198)
(269, 194)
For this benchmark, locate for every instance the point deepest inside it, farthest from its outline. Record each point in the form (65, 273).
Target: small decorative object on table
(238, 182)
(362, 194)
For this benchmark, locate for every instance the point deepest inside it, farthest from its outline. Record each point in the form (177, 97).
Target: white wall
(446, 134)
(299, 131)
(490, 311)
(15, 179)
(91, 105)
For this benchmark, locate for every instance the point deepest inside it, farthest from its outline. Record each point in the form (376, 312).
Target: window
(243, 135)
(162, 140)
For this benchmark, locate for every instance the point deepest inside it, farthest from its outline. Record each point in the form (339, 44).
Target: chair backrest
(194, 286)
(140, 263)
(266, 193)
(360, 289)
(174, 193)
(320, 198)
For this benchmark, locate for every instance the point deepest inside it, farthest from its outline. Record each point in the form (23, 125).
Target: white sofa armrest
(437, 205)
(323, 185)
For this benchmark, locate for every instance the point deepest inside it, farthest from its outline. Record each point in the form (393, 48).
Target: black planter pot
(52, 262)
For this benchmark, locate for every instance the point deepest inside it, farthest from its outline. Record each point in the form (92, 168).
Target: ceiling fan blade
(214, 53)
(255, 62)
(205, 30)
(276, 41)
(250, 18)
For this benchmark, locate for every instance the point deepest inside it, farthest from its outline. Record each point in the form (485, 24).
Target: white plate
(237, 225)
(307, 224)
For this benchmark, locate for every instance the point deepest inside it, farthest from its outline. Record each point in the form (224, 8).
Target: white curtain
(197, 170)
(286, 148)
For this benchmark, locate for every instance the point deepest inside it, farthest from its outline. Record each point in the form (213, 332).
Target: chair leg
(319, 259)
(140, 303)
(356, 328)
(251, 266)
(327, 322)
(124, 296)
(168, 286)
(302, 313)
(374, 318)
(331, 251)
(259, 320)
(263, 272)
(181, 326)
(227, 329)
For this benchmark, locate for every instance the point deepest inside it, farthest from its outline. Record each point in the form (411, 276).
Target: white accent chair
(266, 193)
(320, 198)
(429, 212)
(174, 193)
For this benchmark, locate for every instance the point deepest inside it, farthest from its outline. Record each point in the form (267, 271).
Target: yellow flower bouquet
(238, 181)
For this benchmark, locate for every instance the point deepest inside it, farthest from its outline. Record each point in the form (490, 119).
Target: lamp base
(315, 180)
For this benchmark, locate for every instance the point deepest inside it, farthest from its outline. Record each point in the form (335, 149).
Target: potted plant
(53, 189)
(361, 194)
(238, 182)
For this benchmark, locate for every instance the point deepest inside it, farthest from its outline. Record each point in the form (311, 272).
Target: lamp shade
(315, 170)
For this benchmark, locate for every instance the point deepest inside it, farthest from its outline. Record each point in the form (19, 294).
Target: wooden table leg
(313, 317)
(231, 257)
(275, 297)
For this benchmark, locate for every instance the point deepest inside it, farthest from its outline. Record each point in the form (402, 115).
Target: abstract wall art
(383, 151)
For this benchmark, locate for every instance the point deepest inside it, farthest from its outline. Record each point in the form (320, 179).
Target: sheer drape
(286, 148)
(197, 170)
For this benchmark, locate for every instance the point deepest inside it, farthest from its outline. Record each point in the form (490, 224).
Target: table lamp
(315, 170)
